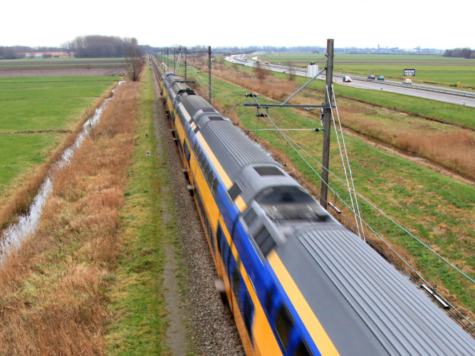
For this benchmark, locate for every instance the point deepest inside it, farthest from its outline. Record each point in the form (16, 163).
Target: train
(298, 283)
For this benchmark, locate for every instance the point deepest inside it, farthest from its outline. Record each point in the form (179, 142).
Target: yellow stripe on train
(316, 330)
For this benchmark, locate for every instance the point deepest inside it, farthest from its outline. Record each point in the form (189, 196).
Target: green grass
(434, 110)
(92, 90)
(440, 75)
(430, 69)
(73, 80)
(19, 152)
(364, 58)
(59, 65)
(41, 114)
(60, 59)
(435, 208)
(140, 317)
(40, 104)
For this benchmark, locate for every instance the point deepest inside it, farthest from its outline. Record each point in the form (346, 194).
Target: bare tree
(291, 71)
(261, 72)
(135, 61)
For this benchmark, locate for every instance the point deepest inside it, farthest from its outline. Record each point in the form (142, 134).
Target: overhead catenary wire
(353, 197)
(297, 147)
(353, 190)
(292, 143)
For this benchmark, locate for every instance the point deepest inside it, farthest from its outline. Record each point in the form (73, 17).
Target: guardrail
(387, 82)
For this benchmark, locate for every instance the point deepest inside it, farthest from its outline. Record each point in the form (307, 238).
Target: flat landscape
(430, 69)
(36, 114)
(62, 67)
(117, 218)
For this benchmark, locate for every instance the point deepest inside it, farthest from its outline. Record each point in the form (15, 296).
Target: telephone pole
(185, 64)
(174, 60)
(167, 58)
(327, 114)
(209, 68)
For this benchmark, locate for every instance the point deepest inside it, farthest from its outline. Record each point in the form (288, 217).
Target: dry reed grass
(451, 149)
(53, 291)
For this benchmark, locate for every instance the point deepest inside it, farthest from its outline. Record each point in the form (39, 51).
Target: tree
(261, 72)
(135, 61)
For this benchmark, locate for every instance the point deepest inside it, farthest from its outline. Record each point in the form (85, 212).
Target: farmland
(62, 67)
(430, 69)
(36, 114)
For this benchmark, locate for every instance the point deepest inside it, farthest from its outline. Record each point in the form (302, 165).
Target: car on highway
(347, 79)
(381, 78)
(407, 81)
(371, 77)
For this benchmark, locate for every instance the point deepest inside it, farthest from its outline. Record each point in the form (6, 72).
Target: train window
(187, 152)
(210, 174)
(236, 280)
(250, 217)
(278, 195)
(269, 171)
(200, 154)
(302, 350)
(283, 325)
(234, 191)
(228, 254)
(215, 186)
(265, 241)
(269, 299)
(220, 237)
(248, 313)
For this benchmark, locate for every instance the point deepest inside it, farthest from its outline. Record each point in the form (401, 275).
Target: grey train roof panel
(353, 284)
(233, 149)
(194, 103)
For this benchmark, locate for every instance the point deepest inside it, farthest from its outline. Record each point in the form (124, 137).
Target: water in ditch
(15, 234)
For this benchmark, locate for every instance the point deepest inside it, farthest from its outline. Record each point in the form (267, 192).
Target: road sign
(409, 72)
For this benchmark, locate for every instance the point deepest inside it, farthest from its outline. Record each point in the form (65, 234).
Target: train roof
(233, 149)
(363, 303)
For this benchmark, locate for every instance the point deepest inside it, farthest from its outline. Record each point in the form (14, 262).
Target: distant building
(47, 54)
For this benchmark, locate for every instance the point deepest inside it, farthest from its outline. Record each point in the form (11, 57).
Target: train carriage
(297, 281)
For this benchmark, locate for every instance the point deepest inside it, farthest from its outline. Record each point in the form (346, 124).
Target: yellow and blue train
(297, 281)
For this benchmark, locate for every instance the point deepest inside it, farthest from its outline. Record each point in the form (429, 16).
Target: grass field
(52, 104)
(434, 110)
(437, 209)
(61, 62)
(430, 69)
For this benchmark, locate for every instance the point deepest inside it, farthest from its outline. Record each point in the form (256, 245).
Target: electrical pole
(327, 114)
(209, 68)
(174, 60)
(167, 58)
(185, 64)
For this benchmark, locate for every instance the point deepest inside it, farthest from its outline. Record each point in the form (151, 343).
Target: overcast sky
(363, 23)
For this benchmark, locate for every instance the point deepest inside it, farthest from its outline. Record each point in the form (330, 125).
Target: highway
(391, 87)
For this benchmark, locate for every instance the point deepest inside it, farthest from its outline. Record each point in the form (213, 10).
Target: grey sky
(363, 23)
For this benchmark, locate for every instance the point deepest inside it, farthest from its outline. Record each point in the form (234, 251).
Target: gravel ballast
(211, 327)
